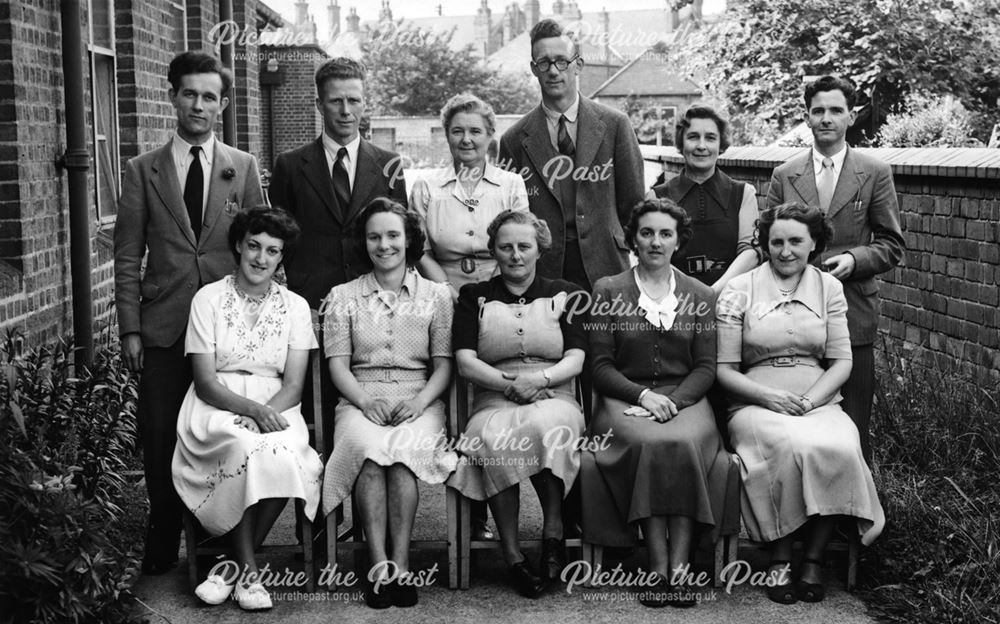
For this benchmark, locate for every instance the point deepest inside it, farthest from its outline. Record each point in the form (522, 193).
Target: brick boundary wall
(942, 304)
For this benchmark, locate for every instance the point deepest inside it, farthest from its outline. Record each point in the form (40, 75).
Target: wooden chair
(352, 537)
(461, 525)
(212, 547)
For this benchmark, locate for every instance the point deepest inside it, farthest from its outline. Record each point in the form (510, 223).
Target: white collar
(182, 148)
(332, 147)
(570, 113)
(660, 314)
(838, 160)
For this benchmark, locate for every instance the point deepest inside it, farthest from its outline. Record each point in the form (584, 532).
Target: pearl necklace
(255, 300)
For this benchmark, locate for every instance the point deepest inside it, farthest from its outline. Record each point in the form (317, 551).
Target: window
(104, 105)
(178, 26)
(384, 138)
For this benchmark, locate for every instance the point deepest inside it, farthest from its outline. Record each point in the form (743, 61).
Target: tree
(757, 60)
(414, 72)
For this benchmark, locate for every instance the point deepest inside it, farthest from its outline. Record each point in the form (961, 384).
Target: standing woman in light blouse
(722, 210)
(458, 202)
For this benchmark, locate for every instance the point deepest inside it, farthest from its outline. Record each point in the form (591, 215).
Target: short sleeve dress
(391, 340)
(455, 223)
(648, 468)
(505, 442)
(219, 468)
(794, 467)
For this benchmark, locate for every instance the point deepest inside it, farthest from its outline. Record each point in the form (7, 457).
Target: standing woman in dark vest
(723, 210)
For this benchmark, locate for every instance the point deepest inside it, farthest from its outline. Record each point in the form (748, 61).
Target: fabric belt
(390, 374)
(244, 373)
(784, 361)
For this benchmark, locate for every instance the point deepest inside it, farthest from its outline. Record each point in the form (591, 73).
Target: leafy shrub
(925, 121)
(64, 445)
(937, 463)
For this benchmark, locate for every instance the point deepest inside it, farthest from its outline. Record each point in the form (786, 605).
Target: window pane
(105, 135)
(178, 26)
(100, 17)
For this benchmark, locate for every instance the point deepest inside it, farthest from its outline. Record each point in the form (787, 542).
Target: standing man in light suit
(857, 194)
(581, 165)
(176, 206)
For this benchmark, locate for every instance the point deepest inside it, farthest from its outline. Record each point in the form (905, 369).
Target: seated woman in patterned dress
(388, 337)
(653, 349)
(784, 353)
(242, 444)
(514, 341)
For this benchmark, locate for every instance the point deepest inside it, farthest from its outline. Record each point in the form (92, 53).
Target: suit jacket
(865, 217)
(152, 219)
(607, 154)
(327, 254)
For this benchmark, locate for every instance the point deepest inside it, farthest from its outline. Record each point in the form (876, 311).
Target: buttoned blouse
(380, 329)
(756, 323)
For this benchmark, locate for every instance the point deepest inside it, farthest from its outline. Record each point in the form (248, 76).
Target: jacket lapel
(589, 133)
(538, 148)
(164, 181)
(849, 184)
(803, 180)
(219, 188)
(319, 177)
(364, 179)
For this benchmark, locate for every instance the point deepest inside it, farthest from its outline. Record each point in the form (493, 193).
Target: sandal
(810, 592)
(785, 593)
(252, 597)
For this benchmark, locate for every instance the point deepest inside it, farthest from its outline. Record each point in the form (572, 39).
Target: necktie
(194, 189)
(341, 183)
(825, 183)
(566, 147)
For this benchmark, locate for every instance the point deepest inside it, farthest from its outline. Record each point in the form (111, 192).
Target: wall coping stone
(946, 162)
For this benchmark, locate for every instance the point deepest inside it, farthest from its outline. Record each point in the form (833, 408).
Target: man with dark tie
(327, 182)
(857, 194)
(176, 206)
(581, 165)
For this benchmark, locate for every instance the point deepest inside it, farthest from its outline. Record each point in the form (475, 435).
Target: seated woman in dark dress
(653, 346)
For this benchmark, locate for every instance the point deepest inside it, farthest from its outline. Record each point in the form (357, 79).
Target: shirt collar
(491, 174)
(369, 285)
(182, 148)
(570, 113)
(332, 147)
(838, 160)
(712, 186)
(808, 293)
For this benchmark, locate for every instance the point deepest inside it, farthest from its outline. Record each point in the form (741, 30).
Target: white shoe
(252, 597)
(214, 590)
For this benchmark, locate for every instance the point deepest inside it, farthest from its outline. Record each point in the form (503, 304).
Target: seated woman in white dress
(388, 337)
(784, 353)
(242, 444)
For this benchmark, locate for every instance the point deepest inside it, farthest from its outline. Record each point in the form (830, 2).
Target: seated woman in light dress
(784, 353)
(242, 444)
(515, 341)
(388, 337)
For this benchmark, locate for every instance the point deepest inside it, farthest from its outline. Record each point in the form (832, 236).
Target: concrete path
(490, 599)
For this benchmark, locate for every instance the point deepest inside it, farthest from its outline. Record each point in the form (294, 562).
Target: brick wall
(291, 119)
(942, 304)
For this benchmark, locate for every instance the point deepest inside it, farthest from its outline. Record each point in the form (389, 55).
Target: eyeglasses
(561, 64)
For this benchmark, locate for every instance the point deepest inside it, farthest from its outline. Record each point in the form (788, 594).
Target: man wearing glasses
(581, 164)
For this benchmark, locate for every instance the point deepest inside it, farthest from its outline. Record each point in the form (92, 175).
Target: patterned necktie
(566, 147)
(194, 190)
(825, 183)
(341, 183)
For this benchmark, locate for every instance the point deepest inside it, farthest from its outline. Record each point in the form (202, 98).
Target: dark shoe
(783, 593)
(524, 580)
(681, 597)
(481, 532)
(405, 593)
(381, 600)
(553, 559)
(656, 595)
(155, 566)
(810, 592)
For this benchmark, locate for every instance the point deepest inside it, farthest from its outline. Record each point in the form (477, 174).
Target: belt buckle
(783, 360)
(468, 265)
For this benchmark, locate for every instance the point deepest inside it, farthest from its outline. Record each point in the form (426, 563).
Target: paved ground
(490, 599)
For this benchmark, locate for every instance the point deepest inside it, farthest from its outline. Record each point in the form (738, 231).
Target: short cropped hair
(548, 28)
(543, 237)
(340, 68)
(832, 83)
(468, 103)
(411, 228)
(702, 112)
(271, 220)
(663, 205)
(194, 62)
(818, 224)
